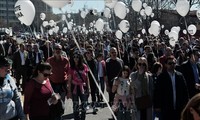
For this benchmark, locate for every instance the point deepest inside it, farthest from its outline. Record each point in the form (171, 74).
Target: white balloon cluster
(173, 35)
(154, 28)
(146, 11)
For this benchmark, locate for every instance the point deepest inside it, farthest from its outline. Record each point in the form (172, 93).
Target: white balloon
(25, 11)
(176, 29)
(63, 18)
(192, 29)
(172, 42)
(65, 30)
(91, 24)
(69, 15)
(124, 26)
(120, 10)
(140, 41)
(56, 29)
(42, 16)
(139, 35)
(152, 15)
(50, 32)
(136, 5)
(142, 12)
(198, 14)
(45, 23)
(83, 14)
(110, 3)
(99, 24)
(148, 10)
(162, 26)
(118, 34)
(107, 12)
(173, 35)
(144, 5)
(166, 32)
(182, 7)
(184, 31)
(143, 31)
(57, 3)
(51, 23)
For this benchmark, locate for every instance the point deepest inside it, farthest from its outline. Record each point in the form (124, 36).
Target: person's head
(142, 64)
(76, 60)
(36, 47)
(125, 72)
(57, 50)
(22, 47)
(113, 53)
(147, 49)
(170, 63)
(89, 53)
(42, 70)
(192, 109)
(99, 56)
(157, 68)
(168, 51)
(4, 66)
(194, 55)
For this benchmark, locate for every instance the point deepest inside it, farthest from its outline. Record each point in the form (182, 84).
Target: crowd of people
(144, 81)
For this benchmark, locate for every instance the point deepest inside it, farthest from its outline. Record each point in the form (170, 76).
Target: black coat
(163, 95)
(186, 69)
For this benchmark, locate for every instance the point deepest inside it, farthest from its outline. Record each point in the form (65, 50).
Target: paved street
(102, 114)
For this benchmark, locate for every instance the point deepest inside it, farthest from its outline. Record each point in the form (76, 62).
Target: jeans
(83, 107)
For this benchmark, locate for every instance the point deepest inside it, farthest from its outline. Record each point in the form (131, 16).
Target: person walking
(170, 93)
(10, 102)
(78, 86)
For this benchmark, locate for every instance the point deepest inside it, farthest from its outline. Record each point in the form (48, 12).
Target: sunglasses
(46, 74)
(75, 56)
(171, 63)
(141, 64)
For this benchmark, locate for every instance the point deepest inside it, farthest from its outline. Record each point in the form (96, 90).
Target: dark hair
(41, 67)
(80, 62)
(171, 57)
(125, 68)
(4, 62)
(155, 67)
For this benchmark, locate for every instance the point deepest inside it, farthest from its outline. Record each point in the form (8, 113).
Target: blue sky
(79, 4)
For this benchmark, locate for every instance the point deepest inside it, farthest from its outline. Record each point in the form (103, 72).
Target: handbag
(57, 109)
(143, 102)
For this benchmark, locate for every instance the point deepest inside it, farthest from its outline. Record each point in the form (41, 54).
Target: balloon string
(186, 28)
(77, 44)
